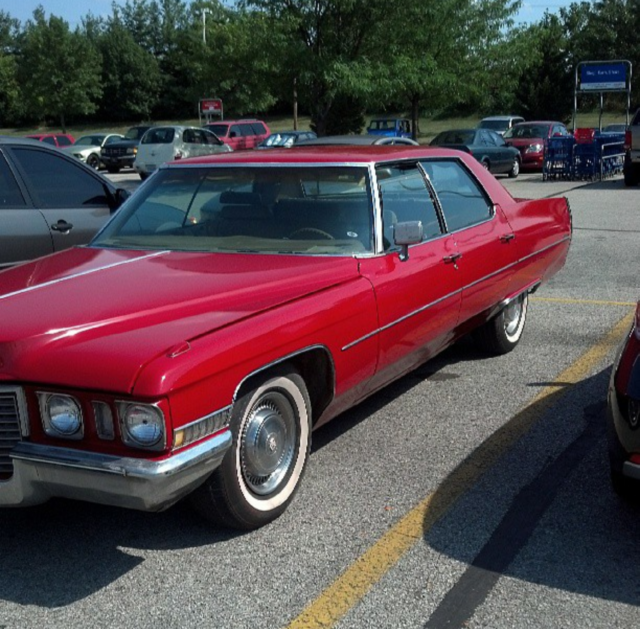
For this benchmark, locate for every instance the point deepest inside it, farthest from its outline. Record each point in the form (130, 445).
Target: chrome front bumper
(43, 472)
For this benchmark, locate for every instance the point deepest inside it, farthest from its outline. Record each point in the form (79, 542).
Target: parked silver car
(165, 144)
(87, 148)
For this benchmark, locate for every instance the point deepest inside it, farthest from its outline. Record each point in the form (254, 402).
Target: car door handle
(507, 238)
(62, 226)
(452, 259)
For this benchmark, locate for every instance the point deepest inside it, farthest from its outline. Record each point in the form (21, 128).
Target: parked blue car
(396, 127)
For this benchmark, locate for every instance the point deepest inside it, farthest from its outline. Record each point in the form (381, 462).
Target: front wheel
(261, 472)
(502, 333)
(93, 161)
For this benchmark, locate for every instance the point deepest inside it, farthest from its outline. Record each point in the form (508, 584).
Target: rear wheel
(502, 333)
(261, 472)
(515, 168)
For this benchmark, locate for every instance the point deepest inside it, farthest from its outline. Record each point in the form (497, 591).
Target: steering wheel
(311, 230)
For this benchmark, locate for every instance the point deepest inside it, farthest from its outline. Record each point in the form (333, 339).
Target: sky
(73, 10)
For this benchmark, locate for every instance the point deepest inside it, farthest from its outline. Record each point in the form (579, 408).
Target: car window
(189, 137)
(63, 140)
(246, 130)
(113, 138)
(211, 138)
(49, 140)
(258, 128)
(10, 195)
(235, 131)
(219, 129)
(159, 135)
(57, 182)
(259, 209)
(405, 197)
(462, 199)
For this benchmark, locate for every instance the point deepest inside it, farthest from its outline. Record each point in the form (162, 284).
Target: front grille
(115, 152)
(10, 407)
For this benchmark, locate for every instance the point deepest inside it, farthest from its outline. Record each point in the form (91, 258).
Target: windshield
(527, 131)
(219, 129)
(313, 210)
(90, 140)
(495, 125)
(135, 133)
(280, 139)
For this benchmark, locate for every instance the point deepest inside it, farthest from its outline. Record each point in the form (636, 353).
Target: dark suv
(117, 155)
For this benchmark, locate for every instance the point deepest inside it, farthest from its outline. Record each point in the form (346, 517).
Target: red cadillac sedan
(237, 302)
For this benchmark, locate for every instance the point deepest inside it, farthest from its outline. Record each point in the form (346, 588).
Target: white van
(499, 124)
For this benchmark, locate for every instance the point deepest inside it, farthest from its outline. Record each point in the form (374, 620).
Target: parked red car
(237, 302)
(530, 138)
(623, 416)
(55, 139)
(240, 134)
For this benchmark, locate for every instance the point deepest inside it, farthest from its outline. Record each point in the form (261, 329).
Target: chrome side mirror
(405, 234)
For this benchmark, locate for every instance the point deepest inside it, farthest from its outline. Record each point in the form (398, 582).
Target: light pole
(204, 25)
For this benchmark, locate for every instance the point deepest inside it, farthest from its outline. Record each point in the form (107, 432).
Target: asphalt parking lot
(472, 493)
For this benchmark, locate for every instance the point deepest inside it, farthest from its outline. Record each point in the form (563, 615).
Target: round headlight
(144, 424)
(65, 416)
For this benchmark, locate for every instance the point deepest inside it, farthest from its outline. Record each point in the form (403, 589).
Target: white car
(87, 148)
(165, 144)
(500, 124)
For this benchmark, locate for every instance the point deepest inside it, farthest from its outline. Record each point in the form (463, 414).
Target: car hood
(94, 317)
(523, 141)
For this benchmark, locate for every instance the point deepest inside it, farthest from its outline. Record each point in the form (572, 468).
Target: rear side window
(258, 128)
(246, 130)
(463, 200)
(64, 141)
(161, 135)
(57, 182)
(49, 140)
(10, 195)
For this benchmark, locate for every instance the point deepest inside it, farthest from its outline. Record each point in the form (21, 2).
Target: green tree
(545, 90)
(322, 42)
(10, 99)
(59, 70)
(130, 75)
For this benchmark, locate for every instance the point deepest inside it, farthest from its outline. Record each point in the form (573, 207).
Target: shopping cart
(557, 161)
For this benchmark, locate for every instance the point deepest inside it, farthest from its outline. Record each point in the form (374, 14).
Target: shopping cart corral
(587, 155)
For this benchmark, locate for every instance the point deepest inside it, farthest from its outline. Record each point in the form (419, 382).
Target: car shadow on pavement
(539, 510)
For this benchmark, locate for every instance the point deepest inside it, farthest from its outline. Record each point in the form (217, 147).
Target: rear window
(161, 135)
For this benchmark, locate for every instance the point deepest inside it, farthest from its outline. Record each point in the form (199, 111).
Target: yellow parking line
(354, 583)
(588, 302)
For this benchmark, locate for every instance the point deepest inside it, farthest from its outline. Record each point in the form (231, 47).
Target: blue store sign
(603, 77)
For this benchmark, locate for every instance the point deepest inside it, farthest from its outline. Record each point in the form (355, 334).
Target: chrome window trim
(282, 359)
(460, 290)
(81, 274)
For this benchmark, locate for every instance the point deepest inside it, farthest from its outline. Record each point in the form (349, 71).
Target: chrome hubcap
(268, 443)
(512, 315)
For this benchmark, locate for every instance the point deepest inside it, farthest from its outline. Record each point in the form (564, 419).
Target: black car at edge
(120, 154)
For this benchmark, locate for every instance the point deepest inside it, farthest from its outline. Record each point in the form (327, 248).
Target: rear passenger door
(481, 232)
(24, 233)
(74, 202)
(418, 299)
